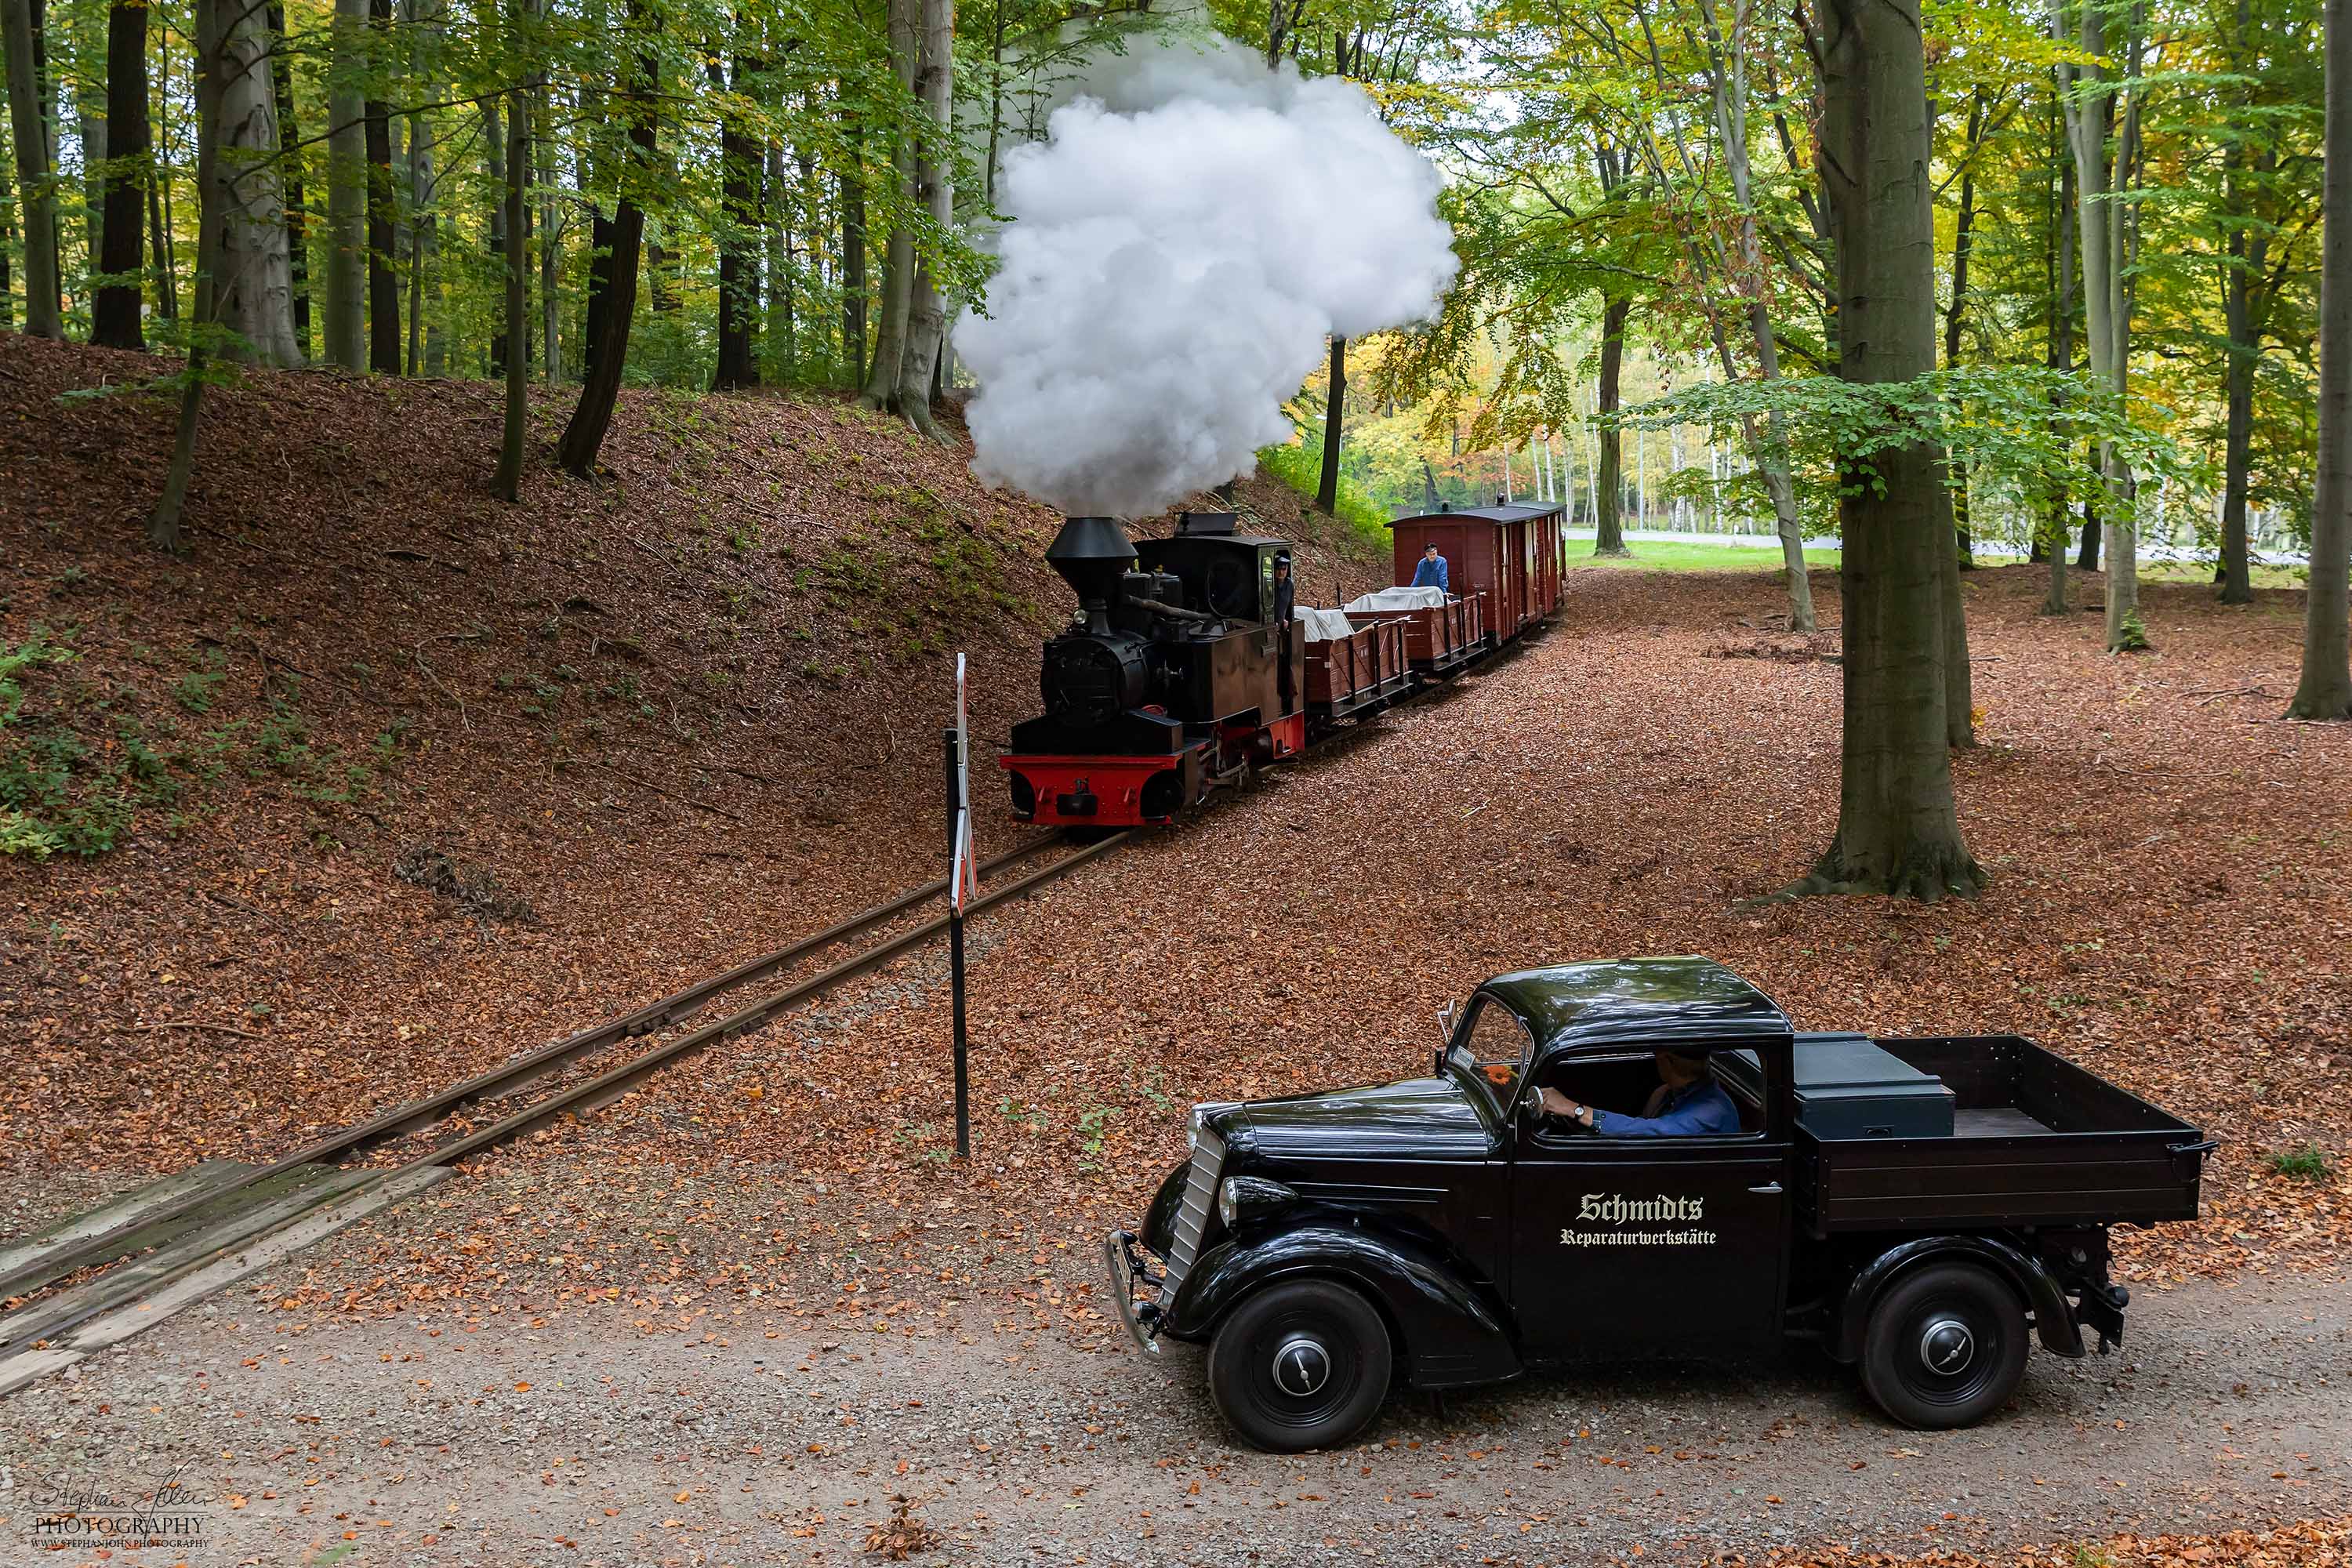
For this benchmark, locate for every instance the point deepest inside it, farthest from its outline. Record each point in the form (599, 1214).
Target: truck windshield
(1494, 1049)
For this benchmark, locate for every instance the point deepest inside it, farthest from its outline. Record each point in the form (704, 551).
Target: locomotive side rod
(496, 1083)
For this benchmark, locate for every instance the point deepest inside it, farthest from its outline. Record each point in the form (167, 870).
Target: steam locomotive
(1175, 676)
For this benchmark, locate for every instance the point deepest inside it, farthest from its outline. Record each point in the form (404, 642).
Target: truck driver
(1687, 1103)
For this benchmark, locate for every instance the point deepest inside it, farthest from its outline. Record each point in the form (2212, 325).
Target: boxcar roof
(1484, 513)
(1648, 1001)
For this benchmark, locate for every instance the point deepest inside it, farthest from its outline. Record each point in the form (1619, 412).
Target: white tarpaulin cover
(1323, 625)
(1400, 599)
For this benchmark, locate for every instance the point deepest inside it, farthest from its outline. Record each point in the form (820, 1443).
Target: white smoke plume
(1180, 246)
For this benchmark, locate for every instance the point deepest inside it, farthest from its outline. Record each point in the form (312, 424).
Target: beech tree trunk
(2324, 691)
(211, 28)
(423, 356)
(254, 289)
(898, 255)
(2061, 279)
(115, 317)
(29, 126)
(1335, 411)
(852, 274)
(600, 388)
(383, 231)
(1609, 481)
(508, 483)
(1898, 829)
(345, 310)
(927, 314)
(738, 274)
(298, 250)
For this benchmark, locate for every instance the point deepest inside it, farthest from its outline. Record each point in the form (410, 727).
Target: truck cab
(1921, 1208)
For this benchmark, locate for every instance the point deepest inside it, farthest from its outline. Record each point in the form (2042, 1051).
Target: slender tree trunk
(346, 345)
(290, 135)
(115, 322)
(852, 274)
(738, 281)
(28, 124)
(1609, 482)
(552, 222)
(780, 350)
(2324, 691)
(1335, 414)
(159, 197)
(898, 255)
(254, 285)
(422, 229)
(1956, 313)
(600, 388)
(382, 212)
(934, 150)
(600, 289)
(508, 483)
(494, 152)
(1898, 829)
(2237, 575)
(210, 46)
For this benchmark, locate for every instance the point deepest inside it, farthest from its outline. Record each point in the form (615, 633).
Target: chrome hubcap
(1946, 1346)
(1301, 1365)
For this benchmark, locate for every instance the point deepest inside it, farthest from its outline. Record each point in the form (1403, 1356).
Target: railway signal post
(962, 879)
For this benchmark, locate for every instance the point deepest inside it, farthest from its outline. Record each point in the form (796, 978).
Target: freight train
(1177, 676)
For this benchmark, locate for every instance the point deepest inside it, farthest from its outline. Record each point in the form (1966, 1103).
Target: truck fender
(1449, 1334)
(2054, 1317)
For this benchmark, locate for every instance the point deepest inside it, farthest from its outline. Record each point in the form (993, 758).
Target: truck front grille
(1193, 1213)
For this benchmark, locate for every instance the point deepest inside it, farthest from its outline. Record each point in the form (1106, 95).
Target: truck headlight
(1248, 1197)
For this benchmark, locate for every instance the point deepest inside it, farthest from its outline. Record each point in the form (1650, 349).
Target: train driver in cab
(1285, 593)
(1687, 1103)
(1431, 572)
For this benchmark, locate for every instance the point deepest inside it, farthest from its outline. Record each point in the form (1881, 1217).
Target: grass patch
(1300, 467)
(2307, 1163)
(1674, 555)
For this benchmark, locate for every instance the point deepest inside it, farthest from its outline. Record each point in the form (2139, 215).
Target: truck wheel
(1945, 1347)
(1302, 1365)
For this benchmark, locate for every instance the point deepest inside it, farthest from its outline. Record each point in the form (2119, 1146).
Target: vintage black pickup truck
(1914, 1206)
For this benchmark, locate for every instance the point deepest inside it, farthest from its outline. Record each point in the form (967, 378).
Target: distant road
(2149, 549)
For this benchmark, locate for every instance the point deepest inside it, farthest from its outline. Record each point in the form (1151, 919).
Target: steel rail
(496, 1083)
(619, 1080)
(605, 1087)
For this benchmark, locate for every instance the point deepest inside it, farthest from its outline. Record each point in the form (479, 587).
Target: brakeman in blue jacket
(1432, 573)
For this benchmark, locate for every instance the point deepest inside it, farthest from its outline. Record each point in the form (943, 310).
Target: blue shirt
(1431, 575)
(1692, 1111)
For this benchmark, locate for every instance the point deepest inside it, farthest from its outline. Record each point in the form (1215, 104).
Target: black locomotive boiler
(1172, 678)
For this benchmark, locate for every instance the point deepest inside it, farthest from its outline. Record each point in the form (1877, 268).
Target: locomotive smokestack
(1091, 554)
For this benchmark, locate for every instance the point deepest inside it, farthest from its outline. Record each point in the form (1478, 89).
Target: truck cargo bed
(2035, 1140)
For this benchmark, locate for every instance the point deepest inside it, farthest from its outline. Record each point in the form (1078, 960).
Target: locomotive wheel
(1945, 1347)
(1300, 1365)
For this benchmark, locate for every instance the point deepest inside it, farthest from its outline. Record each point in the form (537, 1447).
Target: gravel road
(410, 1440)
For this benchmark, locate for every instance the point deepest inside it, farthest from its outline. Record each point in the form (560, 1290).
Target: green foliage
(2308, 1163)
(1299, 465)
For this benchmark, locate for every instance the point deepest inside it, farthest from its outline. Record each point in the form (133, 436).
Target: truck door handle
(1769, 1189)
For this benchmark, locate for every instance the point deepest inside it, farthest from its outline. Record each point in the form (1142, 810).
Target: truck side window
(1499, 1048)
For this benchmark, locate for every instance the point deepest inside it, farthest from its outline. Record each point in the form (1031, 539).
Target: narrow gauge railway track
(95, 1281)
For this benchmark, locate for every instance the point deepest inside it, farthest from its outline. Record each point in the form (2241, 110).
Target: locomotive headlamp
(1249, 1197)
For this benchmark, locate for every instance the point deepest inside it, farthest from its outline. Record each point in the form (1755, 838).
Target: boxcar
(1511, 554)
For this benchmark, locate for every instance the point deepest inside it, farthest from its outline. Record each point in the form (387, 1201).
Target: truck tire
(1945, 1347)
(1300, 1365)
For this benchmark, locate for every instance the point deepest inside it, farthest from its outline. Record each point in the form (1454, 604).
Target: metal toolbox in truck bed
(1849, 1087)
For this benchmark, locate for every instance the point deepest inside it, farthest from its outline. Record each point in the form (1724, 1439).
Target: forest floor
(2168, 906)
